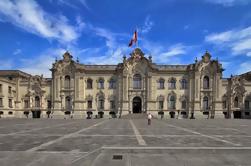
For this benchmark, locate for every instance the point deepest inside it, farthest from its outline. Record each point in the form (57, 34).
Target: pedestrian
(149, 117)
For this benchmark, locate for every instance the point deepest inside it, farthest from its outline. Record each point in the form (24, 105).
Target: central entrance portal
(136, 105)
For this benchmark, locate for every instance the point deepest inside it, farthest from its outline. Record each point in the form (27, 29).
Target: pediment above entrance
(137, 63)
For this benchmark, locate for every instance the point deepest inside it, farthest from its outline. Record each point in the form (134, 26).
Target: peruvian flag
(134, 39)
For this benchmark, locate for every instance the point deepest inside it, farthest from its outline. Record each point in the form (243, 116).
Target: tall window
(10, 103)
(205, 103)
(246, 104)
(206, 82)
(89, 83)
(1, 88)
(67, 82)
(184, 104)
(101, 103)
(137, 81)
(183, 84)
(161, 104)
(48, 104)
(236, 102)
(68, 105)
(37, 101)
(26, 103)
(112, 104)
(161, 84)
(112, 84)
(101, 83)
(1, 102)
(224, 104)
(9, 89)
(172, 102)
(172, 84)
(89, 104)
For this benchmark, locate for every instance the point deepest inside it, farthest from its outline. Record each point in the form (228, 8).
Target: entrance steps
(134, 116)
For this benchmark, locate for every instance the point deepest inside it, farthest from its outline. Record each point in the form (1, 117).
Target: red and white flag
(134, 39)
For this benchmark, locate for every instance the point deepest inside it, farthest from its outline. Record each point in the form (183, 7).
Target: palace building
(136, 85)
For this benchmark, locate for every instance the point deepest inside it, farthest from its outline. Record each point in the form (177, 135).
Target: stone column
(125, 87)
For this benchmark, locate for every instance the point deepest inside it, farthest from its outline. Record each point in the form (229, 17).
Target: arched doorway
(136, 105)
(36, 112)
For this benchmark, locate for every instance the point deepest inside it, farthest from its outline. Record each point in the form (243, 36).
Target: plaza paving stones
(217, 142)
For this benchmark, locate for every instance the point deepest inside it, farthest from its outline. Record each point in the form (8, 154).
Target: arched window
(112, 84)
(89, 83)
(206, 82)
(205, 103)
(183, 84)
(172, 102)
(101, 83)
(137, 81)
(68, 105)
(161, 84)
(37, 101)
(172, 84)
(184, 104)
(67, 82)
(236, 102)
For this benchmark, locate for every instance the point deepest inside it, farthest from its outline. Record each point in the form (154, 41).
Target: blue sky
(35, 32)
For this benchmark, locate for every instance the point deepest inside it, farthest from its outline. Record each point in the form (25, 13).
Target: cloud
(17, 51)
(42, 63)
(174, 50)
(244, 67)
(186, 27)
(6, 63)
(148, 24)
(111, 56)
(166, 54)
(238, 41)
(74, 4)
(28, 15)
(107, 35)
(228, 3)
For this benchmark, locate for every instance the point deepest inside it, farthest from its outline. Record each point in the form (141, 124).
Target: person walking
(149, 117)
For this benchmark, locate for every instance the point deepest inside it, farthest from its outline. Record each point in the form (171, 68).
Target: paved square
(125, 142)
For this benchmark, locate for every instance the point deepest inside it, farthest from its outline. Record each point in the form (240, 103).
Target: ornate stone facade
(137, 85)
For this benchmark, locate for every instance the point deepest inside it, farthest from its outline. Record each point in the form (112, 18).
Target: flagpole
(137, 37)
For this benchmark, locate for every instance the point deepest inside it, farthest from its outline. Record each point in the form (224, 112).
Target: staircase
(135, 116)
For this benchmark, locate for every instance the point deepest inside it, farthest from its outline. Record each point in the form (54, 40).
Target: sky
(33, 33)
